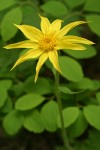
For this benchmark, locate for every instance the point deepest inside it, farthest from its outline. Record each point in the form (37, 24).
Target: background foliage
(30, 110)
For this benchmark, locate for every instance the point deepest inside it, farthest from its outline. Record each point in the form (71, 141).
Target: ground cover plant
(61, 110)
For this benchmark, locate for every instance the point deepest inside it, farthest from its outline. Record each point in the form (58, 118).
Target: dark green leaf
(67, 90)
(54, 8)
(3, 94)
(74, 3)
(92, 5)
(79, 126)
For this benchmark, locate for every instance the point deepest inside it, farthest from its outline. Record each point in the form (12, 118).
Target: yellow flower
(47, 42)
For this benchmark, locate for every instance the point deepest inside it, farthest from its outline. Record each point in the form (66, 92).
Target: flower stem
(64, 134)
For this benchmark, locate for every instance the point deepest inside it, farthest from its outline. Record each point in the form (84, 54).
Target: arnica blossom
(46, 42)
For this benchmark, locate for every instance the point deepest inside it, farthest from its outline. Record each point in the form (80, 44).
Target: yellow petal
(75, 39)
(22, 44)
(64, 45)
(44, 24)
(41, 61)
(68, 27)
(55, 26)
(28, 55)
(30, 32)
(53, 57)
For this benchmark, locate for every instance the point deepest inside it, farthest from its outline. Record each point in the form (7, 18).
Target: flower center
(47, 43)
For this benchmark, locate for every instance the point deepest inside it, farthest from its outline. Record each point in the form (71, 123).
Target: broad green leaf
(70, 115)
(49, 114)
(66, 90)
(28, 102)
(83, 84)
(33, 122)
(28, 11)
(54, 8)
(94, 23)
(70, 68)
(79, 126)
(13, 122)
(6, 83)
(92, 5)
(98, 97)
(8, 106)
(4, 4)
(41, 87)
(74, 3)
(89, 52)
(3, 94)
(8, 30)
(92, 115)
(18, 88)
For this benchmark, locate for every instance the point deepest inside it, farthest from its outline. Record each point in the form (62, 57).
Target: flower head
(46, 42)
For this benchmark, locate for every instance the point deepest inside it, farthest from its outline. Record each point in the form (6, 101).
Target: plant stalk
(64, 134)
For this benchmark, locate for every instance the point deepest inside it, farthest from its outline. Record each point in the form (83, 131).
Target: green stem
(57, 92)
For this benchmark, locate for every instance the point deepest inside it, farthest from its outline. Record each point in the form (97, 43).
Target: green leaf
(41, 87)
(92, 115)
(70, 68)
(70, 115)
(98, 97)
(8, 106)
(28, 11)
(13, 122)
(28, 102)
(4, 4)
(6, 83)
(79, 126)
(67, 90)
(74, 3)
(33, 122)
(88, 53)
(94, 24)
(18, 88)
(54, 8)
(3, 94)
(7, 28)
(49, 114)
(92, 5)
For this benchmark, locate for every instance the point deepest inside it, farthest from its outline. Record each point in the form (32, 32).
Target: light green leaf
(92, 5)
(4, 4)
(28, 102)
(49, 114)
(3, 94)
(8, 30)
(92, 115)
(74, 3)
(94, 24)
(41, 87)
(79, 126)
(70, 68)
(67, 90)
(54, 8)
(33, 122)
(13, 122)
(89, 52)
(70, 115)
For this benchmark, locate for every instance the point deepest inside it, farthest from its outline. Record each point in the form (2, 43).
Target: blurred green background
(26, 126)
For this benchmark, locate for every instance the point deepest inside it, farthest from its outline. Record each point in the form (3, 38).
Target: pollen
(47, 44)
